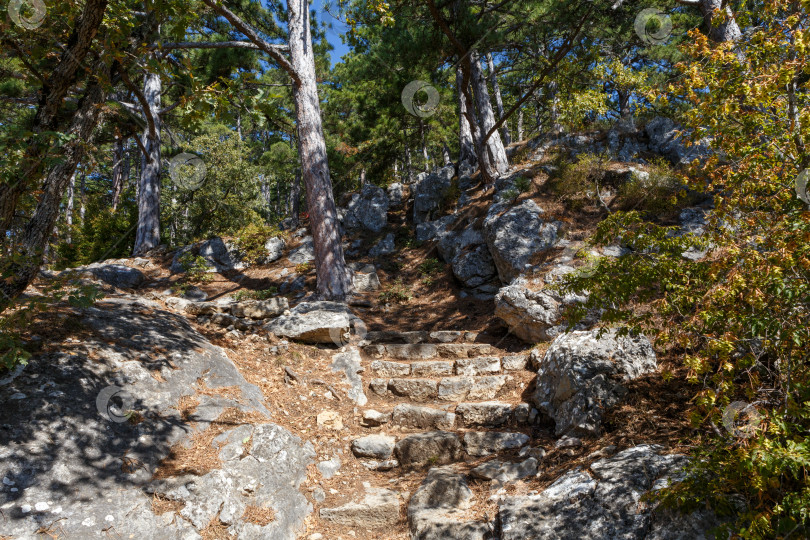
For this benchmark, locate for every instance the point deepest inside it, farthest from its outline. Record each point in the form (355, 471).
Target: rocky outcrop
(606, 503)
(218, 254)
(666, 138)
(430, 230)
(468, 256)
(86, 431)
(304, 253)
(275, 249)
(515, 234)
(386, 246)
(117, 275)
(581, 376)
(368, 209)
(535, 316)
(397, 194)
(313, 322)
(430, 192)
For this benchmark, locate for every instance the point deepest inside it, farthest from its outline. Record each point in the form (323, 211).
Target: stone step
(437, 447)
(482, 365)
(468, 415)
(457, 388)
(426, 351)
(438, 336)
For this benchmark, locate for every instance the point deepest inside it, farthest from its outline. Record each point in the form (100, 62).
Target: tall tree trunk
(446, 154)
(520, 125)
(425, 154)
(119, 157)
(553, 103)
(83, 197)
(465, 136)
(334, 280)
(53, 92)
(408, 160)
(69, 208)
(17, 272)
(147, 235)
(495, 145)
(496, 90)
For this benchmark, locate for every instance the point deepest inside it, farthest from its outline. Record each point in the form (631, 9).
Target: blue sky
(333, 35)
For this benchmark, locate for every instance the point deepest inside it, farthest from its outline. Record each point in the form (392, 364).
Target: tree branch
(215, 45)
(147, 112)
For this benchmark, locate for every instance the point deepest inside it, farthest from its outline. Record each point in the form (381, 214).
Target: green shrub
(255, 295)
(396, 293)
(195, 268)
(251, 240)
(523, 184)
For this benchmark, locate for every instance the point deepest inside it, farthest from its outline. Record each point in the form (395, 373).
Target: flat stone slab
(482, 365)
(429, 449)
(416, 417)
(313, 322)
(436, 510)
(484, 443)
(515, 362)
(415, 389)
(379, 508)
(488, 413)
(461, 388)
(463, 350)
(383, 368)
(432, 368)
(504, 471)
(372, 418)
(419, 351)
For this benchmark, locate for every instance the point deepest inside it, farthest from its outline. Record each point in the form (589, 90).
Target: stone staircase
(440, 402)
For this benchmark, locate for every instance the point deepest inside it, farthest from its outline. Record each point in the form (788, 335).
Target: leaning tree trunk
(465, 136)
(496, 90)
(118, 170)
(147, 235)
(17, 272)
(334, 280)
(494, 143)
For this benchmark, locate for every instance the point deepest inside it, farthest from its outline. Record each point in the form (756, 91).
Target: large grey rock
(430, 192)
(484, 443)
(260, 309)
(504, 471)
(366, 282)
(386, 246)
(473, 267)
(581, 376)
(487, 413)
(223, 256)
(379, 508)
(515, 234)
(117, 275)
(607, 505)
(275, 249)
(666, 139)
(374, 446)
(427, 449)
(428, 230)
(368, 209)
(535, 316)
(71, 457)
(313, 322)
(436, 510)
(350, 364)
(397, 194)
(414, 416)
(304, 253)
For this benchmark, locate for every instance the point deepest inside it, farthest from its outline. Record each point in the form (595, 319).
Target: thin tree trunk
(520, 125)
(83, 197)
(69, 208)
(333, 279)
(494, 143)
(119, 156)
(553, 104)
(408, 161)
(446, 155)
(496, 90)
(147, 235)
(465, 136)
(20, 270)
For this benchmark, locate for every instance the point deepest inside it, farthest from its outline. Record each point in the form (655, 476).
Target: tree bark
(119, 155)
(494, 143)
(18, 271)
(51, 97)
(69, 208)
(465, 136)
(333, 279)
(520, 125)
(496, 90)
(147, 235)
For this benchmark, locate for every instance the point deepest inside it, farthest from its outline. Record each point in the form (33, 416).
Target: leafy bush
(523, 184)
(251, 240)
(195, 268)
(303, 268)
(255, 295)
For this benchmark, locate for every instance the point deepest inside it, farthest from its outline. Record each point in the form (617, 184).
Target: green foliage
(252, 238)
(104, 234)
(523, 184)
(303, 268)
(396, 293)
(195, 268)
